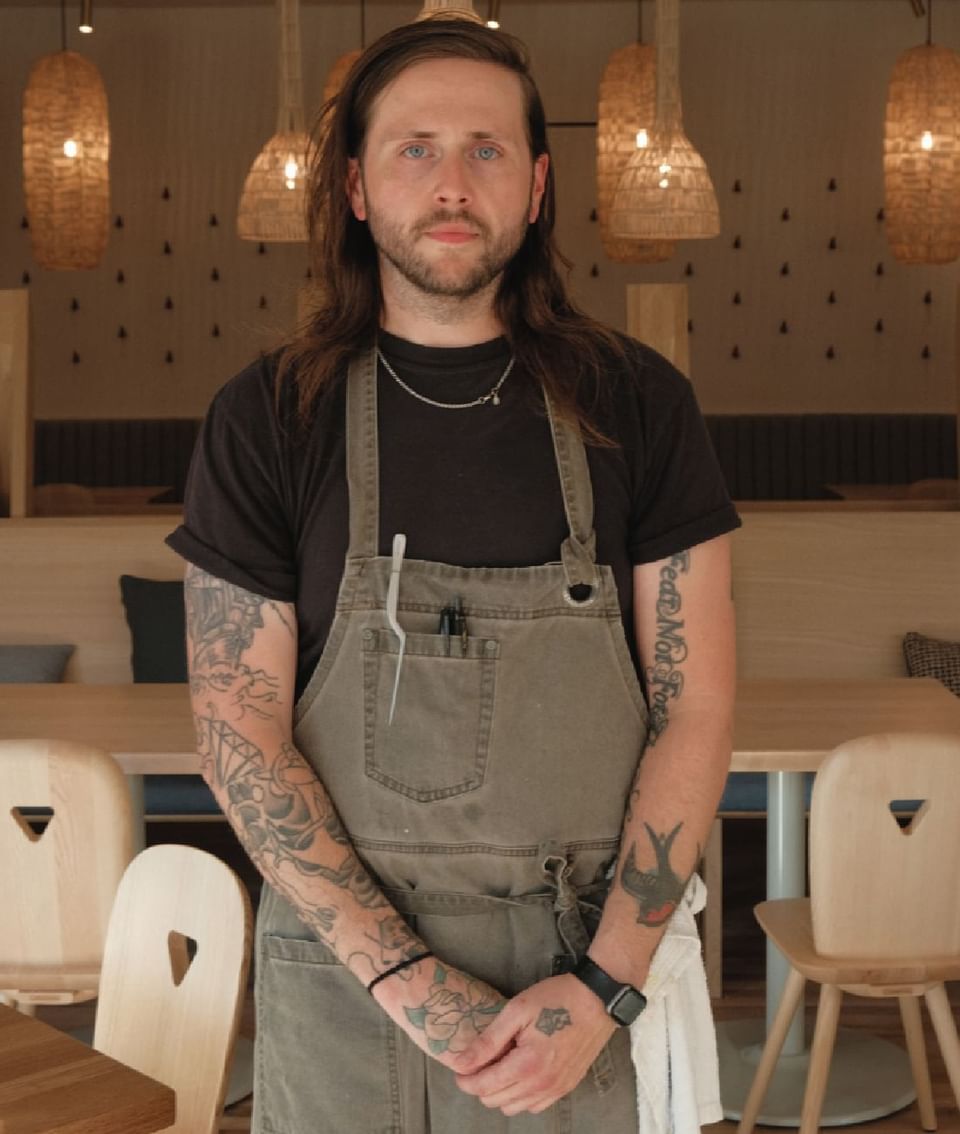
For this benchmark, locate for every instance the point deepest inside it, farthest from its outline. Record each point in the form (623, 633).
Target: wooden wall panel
(831, 594)
(784, 100)
(16, 421)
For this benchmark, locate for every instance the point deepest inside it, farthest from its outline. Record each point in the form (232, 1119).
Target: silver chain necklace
(491, 396)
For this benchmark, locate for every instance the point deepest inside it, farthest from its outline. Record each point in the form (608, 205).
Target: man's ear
(354, 188)
(540, 167)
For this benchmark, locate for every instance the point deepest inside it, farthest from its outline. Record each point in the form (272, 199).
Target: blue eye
(415, 150)
(485, 153)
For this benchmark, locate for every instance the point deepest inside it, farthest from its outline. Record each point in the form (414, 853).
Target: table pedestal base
(869, 1077)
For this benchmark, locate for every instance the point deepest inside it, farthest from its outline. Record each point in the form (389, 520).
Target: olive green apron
(489, 808)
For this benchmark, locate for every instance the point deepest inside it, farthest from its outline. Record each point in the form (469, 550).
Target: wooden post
(16, 417)
(956, 368)
(657, 316)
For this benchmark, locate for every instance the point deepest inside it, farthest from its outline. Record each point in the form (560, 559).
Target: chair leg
(792, 992)
(946, 1028)
(713, 912)
(230, 1122)
(824, 1035)
(913, 1030)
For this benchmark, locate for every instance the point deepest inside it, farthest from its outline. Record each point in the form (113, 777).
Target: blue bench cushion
(178, 795)
(746, 792)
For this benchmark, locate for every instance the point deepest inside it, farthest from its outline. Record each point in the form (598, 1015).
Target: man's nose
(453, 181)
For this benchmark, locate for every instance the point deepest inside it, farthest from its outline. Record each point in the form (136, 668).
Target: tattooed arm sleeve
(241, 651)
(685, 639)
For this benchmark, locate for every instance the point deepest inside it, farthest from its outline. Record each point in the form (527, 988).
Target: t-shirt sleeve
(680, 497)
(236, 518)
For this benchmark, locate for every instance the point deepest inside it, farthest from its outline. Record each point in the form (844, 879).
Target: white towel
(672, 1042)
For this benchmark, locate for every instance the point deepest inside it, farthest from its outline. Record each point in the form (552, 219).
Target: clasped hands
(518, 1055)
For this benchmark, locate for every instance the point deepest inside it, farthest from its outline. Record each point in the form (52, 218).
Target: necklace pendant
(495, 397)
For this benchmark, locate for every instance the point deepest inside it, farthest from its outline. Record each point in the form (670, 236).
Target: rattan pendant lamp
(626, 108)
(665, 191)
(273, 202)
(921, 154)
(449, 9)
(341, 67)
(66, 153)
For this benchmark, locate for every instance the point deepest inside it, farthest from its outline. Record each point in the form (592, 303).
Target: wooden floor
(744, 873)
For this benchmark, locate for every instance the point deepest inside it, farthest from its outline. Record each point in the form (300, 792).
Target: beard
(456, 281)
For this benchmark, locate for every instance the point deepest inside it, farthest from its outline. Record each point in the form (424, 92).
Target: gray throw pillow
(33, 664)
(933, 657)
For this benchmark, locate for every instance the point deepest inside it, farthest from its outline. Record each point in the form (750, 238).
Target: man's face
(445, 179)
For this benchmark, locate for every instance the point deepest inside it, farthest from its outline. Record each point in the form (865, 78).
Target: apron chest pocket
(436, 746)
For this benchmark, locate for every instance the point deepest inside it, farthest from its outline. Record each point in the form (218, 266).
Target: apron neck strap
(578, 552)
(363, 464)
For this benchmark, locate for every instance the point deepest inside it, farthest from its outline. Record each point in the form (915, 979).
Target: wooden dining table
(51, 1083)
(784, 728)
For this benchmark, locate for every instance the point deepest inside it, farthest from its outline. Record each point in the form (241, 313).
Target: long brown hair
(555, 343)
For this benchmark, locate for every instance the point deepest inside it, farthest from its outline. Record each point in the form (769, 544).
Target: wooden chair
(883, 916)
(174, 977)
(57, 888)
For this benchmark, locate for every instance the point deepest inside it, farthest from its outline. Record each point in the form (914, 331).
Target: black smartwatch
(623, 1002)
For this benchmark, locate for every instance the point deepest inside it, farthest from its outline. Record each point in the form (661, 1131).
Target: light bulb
(85, 28)
(70, 148)
(290, 172)
(926, 141)
(643, 139)
(664, 183)
(493, 24)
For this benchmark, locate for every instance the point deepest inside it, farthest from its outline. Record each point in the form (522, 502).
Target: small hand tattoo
(553, 1020)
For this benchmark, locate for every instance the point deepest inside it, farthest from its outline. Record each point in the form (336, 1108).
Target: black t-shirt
(266, 504)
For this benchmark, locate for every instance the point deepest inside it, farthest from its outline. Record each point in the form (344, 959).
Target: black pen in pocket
(460, 624)
(446, 627)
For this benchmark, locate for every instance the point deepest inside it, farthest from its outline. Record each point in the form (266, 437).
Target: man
(410, 580)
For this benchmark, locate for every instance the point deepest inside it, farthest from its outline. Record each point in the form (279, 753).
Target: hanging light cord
(63, 25)
(363, 23)
(929, 22)
(639, 21)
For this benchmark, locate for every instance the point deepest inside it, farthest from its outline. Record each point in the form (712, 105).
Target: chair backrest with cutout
(57, 888)
(174, 975)
(878, 889)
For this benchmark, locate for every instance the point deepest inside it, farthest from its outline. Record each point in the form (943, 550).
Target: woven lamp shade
(271, 208)
(626, 105)
(665, 191)
(337, 73)
(448, 9)
(921, 156)
(67, 198)
(273, 202)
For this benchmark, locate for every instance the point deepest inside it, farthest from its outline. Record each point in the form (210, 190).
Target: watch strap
(610, 991)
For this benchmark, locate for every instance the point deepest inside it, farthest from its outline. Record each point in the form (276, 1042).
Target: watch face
(627, 1006)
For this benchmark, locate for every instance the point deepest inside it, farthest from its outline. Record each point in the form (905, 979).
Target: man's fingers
(491, 1045)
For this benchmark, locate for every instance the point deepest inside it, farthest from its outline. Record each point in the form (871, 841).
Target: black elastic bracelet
(397, 968)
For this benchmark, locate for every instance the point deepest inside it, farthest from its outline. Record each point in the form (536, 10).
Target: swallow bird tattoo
(658, 891)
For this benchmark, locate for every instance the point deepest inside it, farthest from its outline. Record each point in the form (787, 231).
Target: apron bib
(484, 787)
